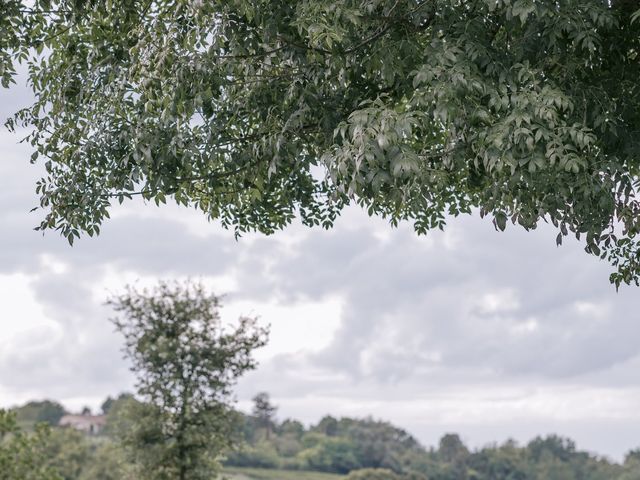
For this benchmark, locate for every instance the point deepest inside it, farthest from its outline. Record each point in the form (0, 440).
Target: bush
(373, 474)
(263, 455)
(330, 455)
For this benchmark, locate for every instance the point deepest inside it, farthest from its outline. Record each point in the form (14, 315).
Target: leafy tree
(258, 111)
(631, 466)
(328, 425)
(119, 417)
(292, 428)
(40, 411)
(108, 462)
(506, 462)
(633, 456)
(451, 448)
(106, 405)
(287, 441)
(553, 446)
(331, 454)
(264, 412)
(186, 363)
(379, 444)
(68, 452)
(23, 456)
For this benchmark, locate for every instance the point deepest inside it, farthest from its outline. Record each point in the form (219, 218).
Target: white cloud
(504, 300)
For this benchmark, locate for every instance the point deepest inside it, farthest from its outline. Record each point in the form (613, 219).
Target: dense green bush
(334, 455)
(373, 474)
(261, 455)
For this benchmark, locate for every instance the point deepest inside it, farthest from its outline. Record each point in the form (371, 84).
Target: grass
(267, 474)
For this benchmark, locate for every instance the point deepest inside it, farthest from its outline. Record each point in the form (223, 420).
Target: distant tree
(454, 455)
(451, 448)
(549, 467)
(23, 456)
(40, 411)
(507, 462)
(264, 412)
(633, 456)
(631, 467)
(86, 410)
(108, 462)
(186, 363)
(328, 425)
(379, 444)
(330, 454)
(292, 428)
(106, 405)
(68, 452)
(110, 402)
(554, 446)
(119, 418)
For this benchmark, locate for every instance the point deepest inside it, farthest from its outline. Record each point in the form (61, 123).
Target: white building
(90, 424)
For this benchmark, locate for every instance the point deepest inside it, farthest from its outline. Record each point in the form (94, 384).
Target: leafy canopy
(258, 111)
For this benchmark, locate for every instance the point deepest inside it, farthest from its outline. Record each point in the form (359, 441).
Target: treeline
(372, 449)
(362, 449)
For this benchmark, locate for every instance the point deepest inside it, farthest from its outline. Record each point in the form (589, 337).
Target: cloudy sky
(491, 335)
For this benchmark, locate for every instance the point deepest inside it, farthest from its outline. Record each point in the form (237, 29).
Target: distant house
(89, 424)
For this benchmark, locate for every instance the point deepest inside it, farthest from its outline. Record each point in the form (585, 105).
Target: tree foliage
(35, 412)
(23, 456)
(257, 111)
(264, 412)
(364, 448)
(67, 452)
(186, 362)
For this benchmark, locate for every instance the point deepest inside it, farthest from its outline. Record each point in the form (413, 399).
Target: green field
(265, 474)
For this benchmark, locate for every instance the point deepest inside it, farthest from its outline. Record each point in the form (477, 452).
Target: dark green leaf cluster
(259, 111)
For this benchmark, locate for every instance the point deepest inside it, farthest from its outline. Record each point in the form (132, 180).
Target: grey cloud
(78, 353)
(147, 246)
(413, 303)
(155, 246)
